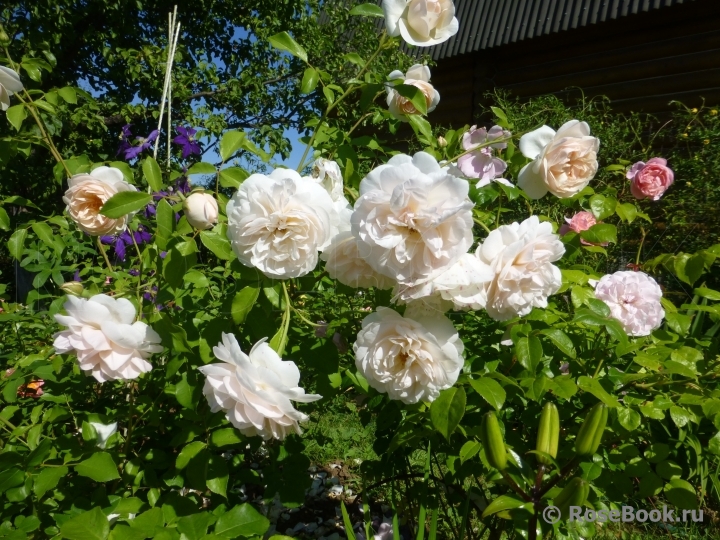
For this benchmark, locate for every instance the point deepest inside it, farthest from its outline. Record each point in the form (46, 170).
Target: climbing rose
(419, 77)
(343, 262)
(633, 299)
(327, 174)
(103, 336)
(521, 257)
(650, 180)
(86, 195)
(563, 162)
(580, 222)
(279, 223)
(413, 218)
(421, 22)
(409, 359)
(255, 390)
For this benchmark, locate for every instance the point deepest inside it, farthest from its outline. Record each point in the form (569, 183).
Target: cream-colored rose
(344, 263)
(9, 84)
(564, 162)
(410, 359)
(418, 76)
(201, 210)
(521, 257)
(327, 173)
(86, 195)
(421, 22)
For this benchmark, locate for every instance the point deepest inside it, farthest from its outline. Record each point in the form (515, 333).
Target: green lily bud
(493, 442)
(548, 433)
(591, 431)
(574, 494)
(73, 287)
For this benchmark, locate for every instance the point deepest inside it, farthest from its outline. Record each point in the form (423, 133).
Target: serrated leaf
(529, 352)
(232, 177)
(69, 94)
(626, 211)
(230, 143)
(367, 10)
(421, 127)
(99, 467)
(601, 206)
(490, 390)
(309, 81)
(152, 173)
(194, 526)
(600, 233)
(15, 115)
(45, 233)
(92, 525)
(243, 302)
(218, 244)
(4, 220)
(125, 202)
(285, 42)
(242, 520)
(186, 454)
(447, 410)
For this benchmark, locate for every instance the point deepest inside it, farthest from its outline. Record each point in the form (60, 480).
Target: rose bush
(477, 315)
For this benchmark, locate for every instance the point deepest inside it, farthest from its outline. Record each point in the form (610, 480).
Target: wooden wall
(640, 62)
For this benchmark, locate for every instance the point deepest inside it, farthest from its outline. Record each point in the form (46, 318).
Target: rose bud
(201, 210)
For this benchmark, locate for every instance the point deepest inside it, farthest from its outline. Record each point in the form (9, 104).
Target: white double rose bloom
(256, 390)
(410, 359)
(633, 299)
(103, 335)
(86, 195)
(421, 22)
(563, 163)
(419, 77)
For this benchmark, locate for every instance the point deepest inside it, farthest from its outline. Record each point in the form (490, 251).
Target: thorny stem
(331, 106)
(102, 251)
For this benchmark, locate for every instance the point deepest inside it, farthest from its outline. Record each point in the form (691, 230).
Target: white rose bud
(9, 84)
(201, 210)
(421, 22)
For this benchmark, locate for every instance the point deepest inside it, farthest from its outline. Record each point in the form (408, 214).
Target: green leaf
(561, 341)
(44, 105)
(69, 94)
(44, 233)
(232, 177)
(681, 494)
(529, 352)
(243, 302)
(11, 478)
(629, 419)
(490, 390)
(367, 10)
(99, 467)
(602, 207)
(152, 173)
(329, 96)
(15, 115)
(242, 520)
(600, 233)
(503, 502)
(225, 437)
(92, 525)
(230, 143)
(421, 127)
(187, 394)
(414, 94)
(16, 244)
(218, 244)
(710, 294)
(217, 476)
(689, 268)
(626, 211)
(593, 386)
(202, 168)
(48, 479)
(285, 42)
(309, 81)
(447, 410)
(502, 117)
(125, 202)
(714, 444)
(4, 220)
(680, 416)
(165, 218)
(194, 526)
(469, 450)
(187, 453)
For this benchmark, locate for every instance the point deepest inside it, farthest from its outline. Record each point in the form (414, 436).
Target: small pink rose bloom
(580, 222)
(483, 164)
(650, 180)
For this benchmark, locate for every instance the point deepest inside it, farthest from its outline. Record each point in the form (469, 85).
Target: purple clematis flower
(189, 145)
(130, 150)
(123, 240)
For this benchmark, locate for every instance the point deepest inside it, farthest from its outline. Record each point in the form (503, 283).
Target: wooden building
(640, 53)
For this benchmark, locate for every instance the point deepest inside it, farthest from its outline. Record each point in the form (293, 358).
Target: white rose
(419, 77)
(327, 174)
(107, 342)
(201, 210)
(413, 218)
(564, 162)
(462, 285)
(421, 22)
(409, 359)
(343, 262)
(86, 195)
(279, 223)
(104, 431)
(9, 84)
(521, 256)
(634, 300)
(255, 390)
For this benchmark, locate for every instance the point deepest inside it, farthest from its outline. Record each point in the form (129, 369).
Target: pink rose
(650, 180)
(580, 222)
